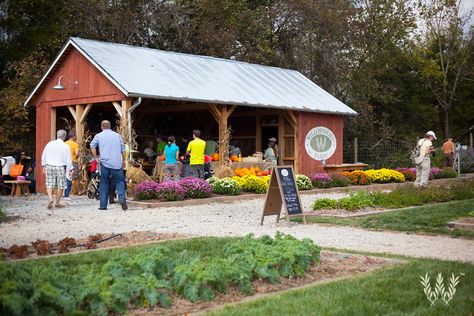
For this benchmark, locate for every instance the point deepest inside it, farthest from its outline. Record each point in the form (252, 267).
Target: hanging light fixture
(59, 86)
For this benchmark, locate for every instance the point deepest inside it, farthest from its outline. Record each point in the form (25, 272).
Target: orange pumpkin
(215, 157)
(162, 158)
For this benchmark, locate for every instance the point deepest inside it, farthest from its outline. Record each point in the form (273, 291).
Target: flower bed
(150, 277)
(385, 176)
(321, 180)
(196, 188)
(303, 182)
(253, 183)
(227, 186)
(165, 191)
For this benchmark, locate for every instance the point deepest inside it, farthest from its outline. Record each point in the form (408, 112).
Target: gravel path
(82, 218)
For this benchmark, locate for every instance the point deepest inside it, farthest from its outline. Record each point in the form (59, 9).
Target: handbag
(16, 170)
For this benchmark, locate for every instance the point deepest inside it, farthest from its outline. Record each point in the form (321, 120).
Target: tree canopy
(405, 66)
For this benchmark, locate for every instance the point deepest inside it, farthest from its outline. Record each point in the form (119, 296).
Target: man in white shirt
(423, 169)
(56, 161)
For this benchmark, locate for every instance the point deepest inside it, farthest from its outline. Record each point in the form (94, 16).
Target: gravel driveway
(82, 218)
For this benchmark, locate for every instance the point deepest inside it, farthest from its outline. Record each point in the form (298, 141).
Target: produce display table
(19, 186)
(345, 167)
(262, 165)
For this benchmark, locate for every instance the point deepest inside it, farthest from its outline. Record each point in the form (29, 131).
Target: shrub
(147, 190)
(226, 186)
(385, 175)
(358, 177)
(321, 180)
(251, 183)
(408, 173)
(356, 200)
(324, 204)
(170, 191)
(303, 182)
(195, 188)
(447, 172)
(212, 179)
(434, 173)
(339, 180)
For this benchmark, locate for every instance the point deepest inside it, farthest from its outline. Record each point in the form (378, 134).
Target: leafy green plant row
(398, 198)
(147, 278)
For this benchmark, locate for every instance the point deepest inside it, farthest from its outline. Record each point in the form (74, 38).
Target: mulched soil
(333, 265)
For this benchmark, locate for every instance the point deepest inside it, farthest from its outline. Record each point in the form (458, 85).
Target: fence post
(356, 159)
(471, 141)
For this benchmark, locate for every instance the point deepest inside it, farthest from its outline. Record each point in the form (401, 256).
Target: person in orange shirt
(448, 151)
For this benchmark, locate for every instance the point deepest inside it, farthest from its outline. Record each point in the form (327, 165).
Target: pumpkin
(234, 158)
(162, 158)
(215, 157)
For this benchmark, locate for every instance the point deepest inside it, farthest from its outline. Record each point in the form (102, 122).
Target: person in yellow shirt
(423, 168)
(196, 148)
(74, 147)
(448, 151)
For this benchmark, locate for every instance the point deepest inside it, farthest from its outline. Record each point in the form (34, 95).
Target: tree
(442, 53)
(16, 120)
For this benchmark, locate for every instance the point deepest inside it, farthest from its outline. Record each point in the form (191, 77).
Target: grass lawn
(392, 291)
(428, 219)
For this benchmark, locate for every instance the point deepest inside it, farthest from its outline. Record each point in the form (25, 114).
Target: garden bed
(334, 265)
(120, 241)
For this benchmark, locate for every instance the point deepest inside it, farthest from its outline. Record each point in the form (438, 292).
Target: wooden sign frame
(275, 198)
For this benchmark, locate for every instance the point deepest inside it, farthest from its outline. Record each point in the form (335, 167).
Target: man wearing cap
(448, 151)
(423, 168)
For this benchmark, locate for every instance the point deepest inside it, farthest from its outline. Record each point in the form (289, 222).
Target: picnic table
(18, 187)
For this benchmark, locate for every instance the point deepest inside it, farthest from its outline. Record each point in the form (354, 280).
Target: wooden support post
(73, 112)
(53, 123)
(221, 115)
(356, 150)
(86, 111)
(281, 140)
(294, 121)
(126, 104)
(118, 108)
(258, 133)
(79, 125)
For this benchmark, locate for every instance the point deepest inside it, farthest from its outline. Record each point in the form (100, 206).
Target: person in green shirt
(211, 147)
(160, 148)
(196, 148)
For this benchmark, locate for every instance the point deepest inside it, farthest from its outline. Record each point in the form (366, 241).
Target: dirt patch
(11, 218)
(116, 241)
(333, 265)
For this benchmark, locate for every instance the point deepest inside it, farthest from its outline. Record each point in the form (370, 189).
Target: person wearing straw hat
(423, 168)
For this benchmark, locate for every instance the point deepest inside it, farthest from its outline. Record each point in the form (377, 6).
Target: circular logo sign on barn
(320, 143)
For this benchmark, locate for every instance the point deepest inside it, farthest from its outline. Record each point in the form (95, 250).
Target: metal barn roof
(153, 73)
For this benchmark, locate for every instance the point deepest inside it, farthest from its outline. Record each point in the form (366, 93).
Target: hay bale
(223, 171)
(136, 175)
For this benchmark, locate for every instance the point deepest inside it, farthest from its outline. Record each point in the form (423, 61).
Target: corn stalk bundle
(225, 169)
(83, 160)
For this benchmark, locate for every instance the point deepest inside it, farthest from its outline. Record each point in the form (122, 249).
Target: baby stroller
(94, 181)
(207, 167)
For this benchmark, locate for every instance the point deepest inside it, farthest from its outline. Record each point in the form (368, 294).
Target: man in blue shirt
(112, 161)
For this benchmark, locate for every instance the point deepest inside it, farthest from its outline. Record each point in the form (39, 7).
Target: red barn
(173, 93)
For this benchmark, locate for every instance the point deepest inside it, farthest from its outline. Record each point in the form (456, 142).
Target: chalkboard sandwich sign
(283, 191)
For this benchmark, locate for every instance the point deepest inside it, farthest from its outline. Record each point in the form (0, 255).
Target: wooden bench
(344, 167)
(18, 187)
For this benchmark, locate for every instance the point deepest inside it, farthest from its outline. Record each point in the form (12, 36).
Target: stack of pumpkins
(240, 172)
